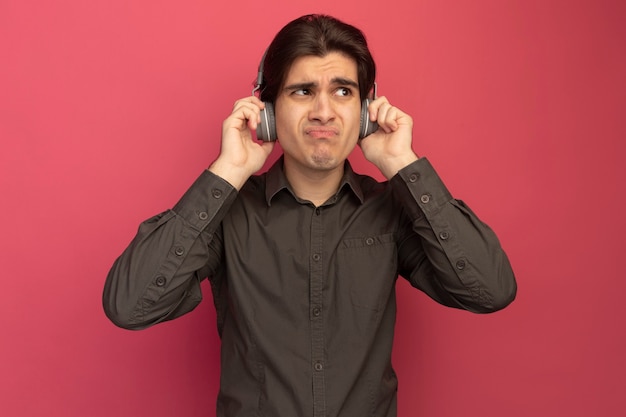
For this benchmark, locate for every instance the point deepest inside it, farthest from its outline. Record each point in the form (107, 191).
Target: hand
(240, 155)
(390, 147)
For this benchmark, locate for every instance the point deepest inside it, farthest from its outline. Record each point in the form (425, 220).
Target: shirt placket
(316, 314)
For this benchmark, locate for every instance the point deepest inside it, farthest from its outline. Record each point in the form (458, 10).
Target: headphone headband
(259, 76)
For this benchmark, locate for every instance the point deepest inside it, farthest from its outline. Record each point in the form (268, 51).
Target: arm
(447, 251)
(158, 276)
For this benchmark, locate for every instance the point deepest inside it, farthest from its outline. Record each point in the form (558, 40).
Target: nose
(322, 109)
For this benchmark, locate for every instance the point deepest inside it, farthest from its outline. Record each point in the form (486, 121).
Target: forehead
(311, 68)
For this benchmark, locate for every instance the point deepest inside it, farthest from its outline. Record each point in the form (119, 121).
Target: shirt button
(317, 211)
(216, 193)
(460, 264)
(369, 241)
(444, 235)
(317, 257)
(203, 215)
(318, 366)
(160, 281)
(414, 177)
(425, 198)
(317, 311)
(179, 251)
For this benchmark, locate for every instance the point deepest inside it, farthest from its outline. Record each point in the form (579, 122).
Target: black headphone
(266, 130)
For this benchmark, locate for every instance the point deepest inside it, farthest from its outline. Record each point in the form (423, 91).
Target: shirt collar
(277, 181)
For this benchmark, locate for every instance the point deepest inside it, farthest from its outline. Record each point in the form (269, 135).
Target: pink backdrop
(109, 109)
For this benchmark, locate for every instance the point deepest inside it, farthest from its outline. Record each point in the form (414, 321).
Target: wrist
(390, 166)
(234, 175)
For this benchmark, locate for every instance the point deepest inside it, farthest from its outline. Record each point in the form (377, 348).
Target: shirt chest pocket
(367, 268)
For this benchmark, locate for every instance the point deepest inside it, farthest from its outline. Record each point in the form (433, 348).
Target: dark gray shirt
(305, 295)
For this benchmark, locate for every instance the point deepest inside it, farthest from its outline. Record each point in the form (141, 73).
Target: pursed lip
(321, 132)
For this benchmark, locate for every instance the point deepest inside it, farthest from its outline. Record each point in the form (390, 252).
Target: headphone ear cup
(266, 130)
(367, 127)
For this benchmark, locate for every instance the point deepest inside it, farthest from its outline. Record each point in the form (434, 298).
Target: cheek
(286, 119)
(352, 122)
(284, 130)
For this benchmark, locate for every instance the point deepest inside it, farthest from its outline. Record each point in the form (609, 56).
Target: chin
(325, 162)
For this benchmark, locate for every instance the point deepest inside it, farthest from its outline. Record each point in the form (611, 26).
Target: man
(303, 259)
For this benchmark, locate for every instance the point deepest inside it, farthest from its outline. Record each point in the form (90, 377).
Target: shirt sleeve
(158, 275)
(447, 251)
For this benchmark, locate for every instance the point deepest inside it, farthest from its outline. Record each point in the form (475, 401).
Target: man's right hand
(241, 155)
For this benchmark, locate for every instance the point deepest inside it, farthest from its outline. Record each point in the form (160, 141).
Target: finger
(241, 105)
(384, 114)
(385, 117)
(375, 106)
(248, 112)
(391, 118)
(251, 99)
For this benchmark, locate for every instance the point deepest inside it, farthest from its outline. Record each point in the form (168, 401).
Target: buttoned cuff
(203, 201)
(419, 185)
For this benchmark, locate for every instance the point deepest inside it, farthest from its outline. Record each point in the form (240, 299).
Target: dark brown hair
(315, 35)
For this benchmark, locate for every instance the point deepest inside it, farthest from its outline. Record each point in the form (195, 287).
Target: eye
(302, 92)
(344, 92)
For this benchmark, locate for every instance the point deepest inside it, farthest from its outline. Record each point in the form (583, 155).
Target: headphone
(266, 130)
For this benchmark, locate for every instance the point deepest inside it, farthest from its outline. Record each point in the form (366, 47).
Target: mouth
(321, 132)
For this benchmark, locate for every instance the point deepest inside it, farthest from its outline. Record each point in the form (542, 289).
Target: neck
(314, 185)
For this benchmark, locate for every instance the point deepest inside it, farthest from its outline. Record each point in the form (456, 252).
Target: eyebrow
(334, 81)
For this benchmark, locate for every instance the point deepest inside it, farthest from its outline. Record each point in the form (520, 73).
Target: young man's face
(318, 112)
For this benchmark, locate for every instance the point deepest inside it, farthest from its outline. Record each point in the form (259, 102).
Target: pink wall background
(110, 109)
